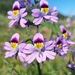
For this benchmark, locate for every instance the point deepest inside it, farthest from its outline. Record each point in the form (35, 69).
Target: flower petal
(7, 46)
(10, 54)
(22, 22)
(10, 17)
(35, 10)
(29, 49)
(54, 19)
(50, 55)
(22, 46)
(12, 22)
(38, 36)
(43, 57)
(22, 10)
(39, 57)
(62, 28)
(15, 37)
(37, 21)
(31, 57)
(16, 5)
(24, 14)
(10, 13)
(47, 17)
(53, 9)
(43, 2)
(21, 56)
(70, 42)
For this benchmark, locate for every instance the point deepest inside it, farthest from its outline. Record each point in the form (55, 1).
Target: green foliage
(5, 5)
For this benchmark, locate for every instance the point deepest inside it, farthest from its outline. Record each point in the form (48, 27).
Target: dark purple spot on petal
(15, 7)
(64, 31)
(44, 6)
(59, 42)
(14, 40)
(38, 40)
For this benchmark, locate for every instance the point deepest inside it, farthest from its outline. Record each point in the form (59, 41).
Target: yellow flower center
(38, 45)
(59, 45)
(45, 10)
(13, 44)
(65, 35)
(15, 12)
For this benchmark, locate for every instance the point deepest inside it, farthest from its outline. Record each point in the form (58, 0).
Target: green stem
(37, 29)
(39, 69)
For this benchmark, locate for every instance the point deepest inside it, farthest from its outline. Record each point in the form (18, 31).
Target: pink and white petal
(54, 13)
(54, 19)
(7, 48)
(24, 14)
(53, 9)
(35, 10)
(7, 44)
(21, 56)
(39, 57)
(10, 13)
(12, 22)
(52, 57)
(30, 58)
(70, 42)
(29, 46)
(43, 57)
(10, 17)
(50, 47)
(65, 49)
(47, 17)
(22, 46)
(22, 10)
(16, 4)
(16, 36)
(62, 53)
(23, 22)
(35, 15)
(10, 54)
(51, 53)
(43, 2)
(48, 43)
(38, 36)
(37, 21)
(29, 49)
(62, 27)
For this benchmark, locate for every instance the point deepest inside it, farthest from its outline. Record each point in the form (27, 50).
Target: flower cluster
(39, 49)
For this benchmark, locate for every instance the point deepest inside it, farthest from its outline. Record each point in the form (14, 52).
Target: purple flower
(13, 48)
(71, 65)
(68, 22)
(25, 3)
(17, 14)
(60, 46)
(66, 35)
(39, 50)
(45, 13)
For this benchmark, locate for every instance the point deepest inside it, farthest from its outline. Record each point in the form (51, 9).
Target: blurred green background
(11, 66)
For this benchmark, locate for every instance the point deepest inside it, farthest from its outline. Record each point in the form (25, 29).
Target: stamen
(15, 12)
(65, 35)
(59, 45)
(45, 10)
(38, 45)
(13, 44)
